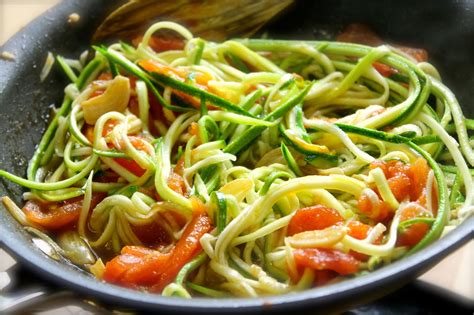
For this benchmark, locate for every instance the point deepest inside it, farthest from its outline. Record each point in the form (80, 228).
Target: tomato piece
(384, 70)
(139, 266)
(413, 234)
(105, 76)
(391, 168)
(358, 229)
(420, 171)
(419, 54)
(434, 198)
(321, 277)
(176, 180)
(152, 234)
(138, 251)
(147, 270)
(88, 130)
(380, 164)
(135, 266)
(97, 93)
(313, 218)
(378, 211)
(176, 183)
(194, 129)
(54, 216)
(116, 268)
(131, 166)
(187, 247)
(400, 185)
(326, 259)
(200, 79)
(133, 105)
(395, 167)
(360, 34)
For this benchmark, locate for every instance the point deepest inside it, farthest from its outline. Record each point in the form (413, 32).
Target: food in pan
(249, 167)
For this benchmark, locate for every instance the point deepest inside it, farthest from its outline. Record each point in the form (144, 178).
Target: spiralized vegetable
(292, 148)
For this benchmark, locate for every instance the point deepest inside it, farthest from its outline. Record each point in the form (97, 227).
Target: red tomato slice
(200, 79)
(384, 70)
(413, 234)
(147, 271)
(358, 229)
(313, 218)
(326, 259)
(400, 185)
(187, 247)
(131, 166)
(152, 234)
(116, 268)
(140, 266)
(321, 277)
(54, 216)
(378, 211)
(420, 170)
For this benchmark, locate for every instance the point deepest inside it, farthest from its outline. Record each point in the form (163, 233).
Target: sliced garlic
(318, 238)
(115, 98)
(239, 188)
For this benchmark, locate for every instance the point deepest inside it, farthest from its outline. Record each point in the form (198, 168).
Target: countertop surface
(453, 274)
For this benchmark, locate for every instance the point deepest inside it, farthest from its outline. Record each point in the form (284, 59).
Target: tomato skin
(176, 180)
(321, 277)
(361, 34)
(176, 183)
(420, 177)
(187, 247)
(135, 266)
(358, 229)
(147, 271)
(407, 182)
(326, 259)
(152, 234)
(138, 251)
(313, 218)
(116, 268)
(55, 216)
(131, 166)
(414, 233)
(384, 70)
(400, 185)
(138, 266)
(378, 211)
(200, 79)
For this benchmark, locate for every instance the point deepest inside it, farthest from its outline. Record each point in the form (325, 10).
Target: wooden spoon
(211, 19)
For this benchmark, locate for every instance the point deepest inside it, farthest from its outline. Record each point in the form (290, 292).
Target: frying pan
(444, 28)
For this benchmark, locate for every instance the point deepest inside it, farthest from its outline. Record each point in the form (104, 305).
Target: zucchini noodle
(249, 167)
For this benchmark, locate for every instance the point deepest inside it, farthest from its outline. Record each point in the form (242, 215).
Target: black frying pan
(444, 28)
